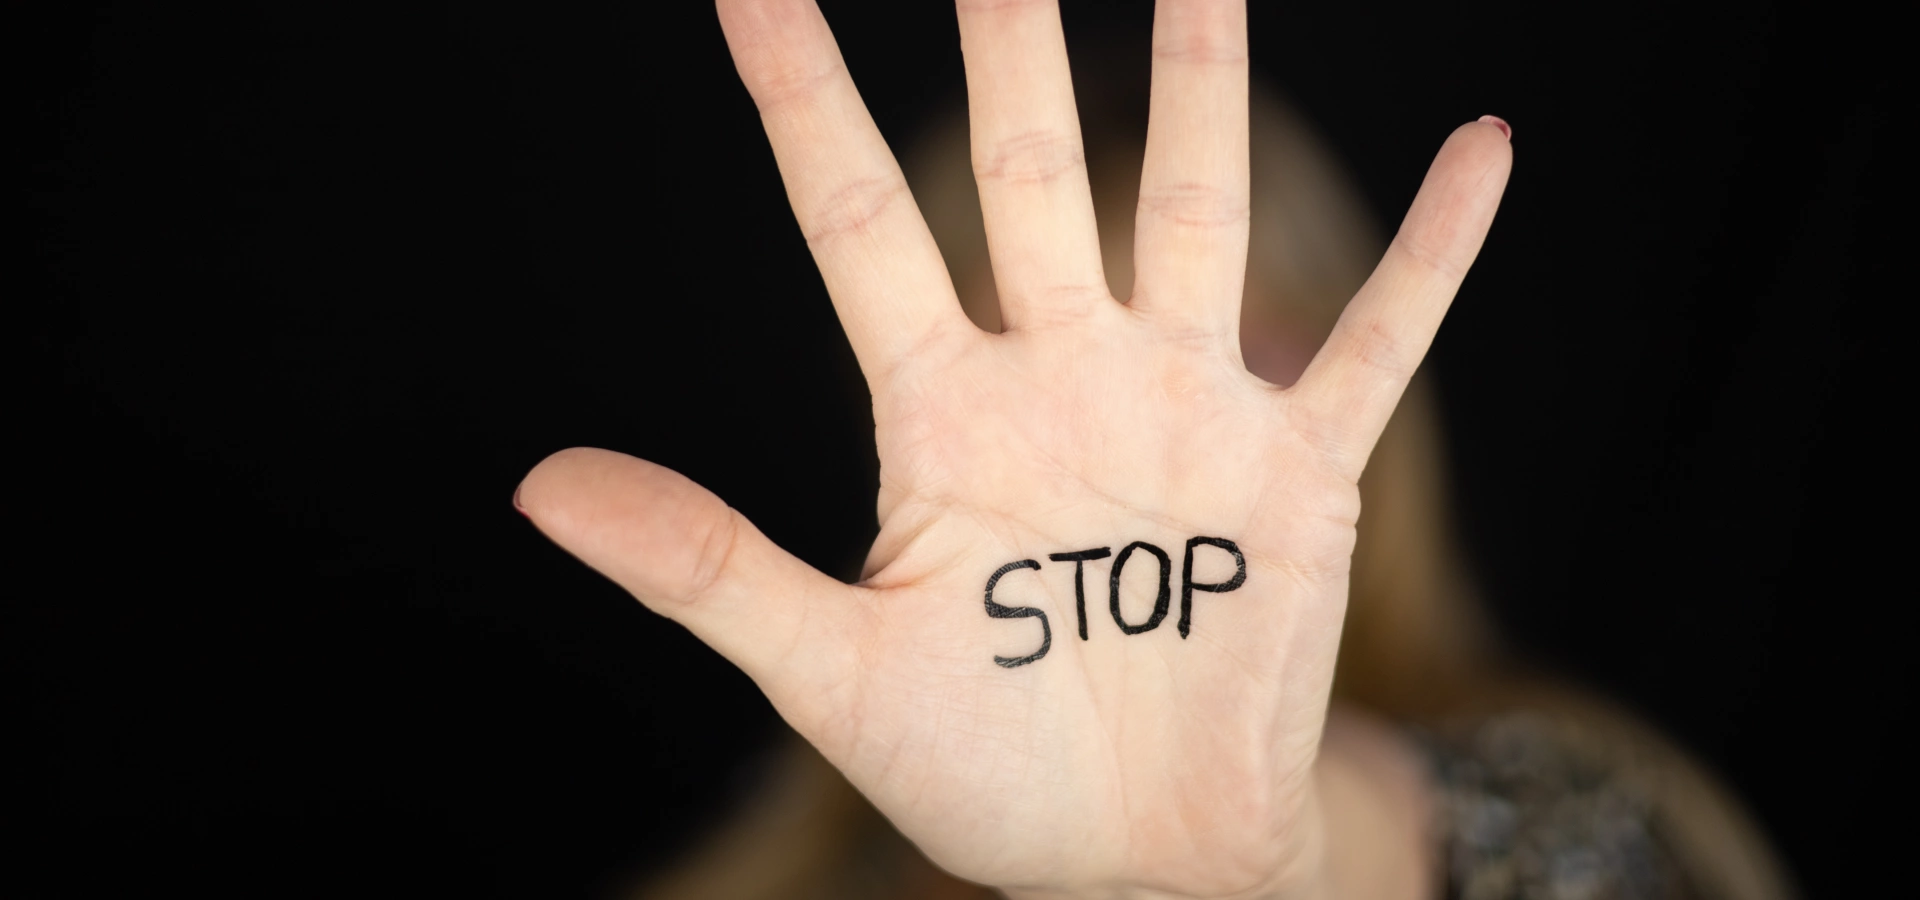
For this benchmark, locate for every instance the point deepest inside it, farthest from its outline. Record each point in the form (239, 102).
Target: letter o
(1160, 603)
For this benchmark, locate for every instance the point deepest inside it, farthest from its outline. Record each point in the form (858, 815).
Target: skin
(1119, 766)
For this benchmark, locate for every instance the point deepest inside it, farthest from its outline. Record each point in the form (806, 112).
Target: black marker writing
(1079, 559)
(1188, 585)
(1160, 601)
(1018, 612)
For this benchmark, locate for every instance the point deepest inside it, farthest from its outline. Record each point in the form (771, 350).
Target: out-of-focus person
(1522, 786)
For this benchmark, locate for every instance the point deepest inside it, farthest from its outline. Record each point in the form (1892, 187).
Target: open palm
(1026, 716)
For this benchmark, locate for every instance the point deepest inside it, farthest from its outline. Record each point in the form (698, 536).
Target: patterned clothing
(1533, 807)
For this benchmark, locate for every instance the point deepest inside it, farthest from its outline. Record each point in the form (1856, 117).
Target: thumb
(691, 558)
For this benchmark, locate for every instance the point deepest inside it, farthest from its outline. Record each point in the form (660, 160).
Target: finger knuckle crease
(853, 209)
(1428, 255)
(1207, 35)
(779, 86)
(712, 559)
(1199, 52)
(1195, 205)
(1033, 157)
(988, 6)
(1378, 347)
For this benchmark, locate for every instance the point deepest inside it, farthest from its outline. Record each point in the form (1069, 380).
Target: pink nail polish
(1499, 123)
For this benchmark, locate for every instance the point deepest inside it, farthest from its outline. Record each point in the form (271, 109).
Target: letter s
(1018, 612)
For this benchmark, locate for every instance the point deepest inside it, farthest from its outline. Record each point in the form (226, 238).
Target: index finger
(874, 251)
(1356, 379)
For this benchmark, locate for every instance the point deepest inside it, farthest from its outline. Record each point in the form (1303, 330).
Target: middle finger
(1028, 162)
(1190, 232)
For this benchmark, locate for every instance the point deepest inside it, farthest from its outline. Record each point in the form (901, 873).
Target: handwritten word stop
(1161, 604)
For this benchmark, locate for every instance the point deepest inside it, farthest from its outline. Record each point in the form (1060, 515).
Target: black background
(311, 287)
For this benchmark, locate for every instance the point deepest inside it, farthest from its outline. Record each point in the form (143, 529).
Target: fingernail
(516, 502)
(1499, 123)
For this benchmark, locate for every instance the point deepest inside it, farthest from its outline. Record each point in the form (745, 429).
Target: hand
(1169, 748)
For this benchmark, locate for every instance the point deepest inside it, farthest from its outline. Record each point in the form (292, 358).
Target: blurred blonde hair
(1416, 645)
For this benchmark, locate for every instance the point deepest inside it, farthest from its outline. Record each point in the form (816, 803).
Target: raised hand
(1030, 718)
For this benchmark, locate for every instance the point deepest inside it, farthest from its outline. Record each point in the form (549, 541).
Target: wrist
(1365, 827)
(1373, 789)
